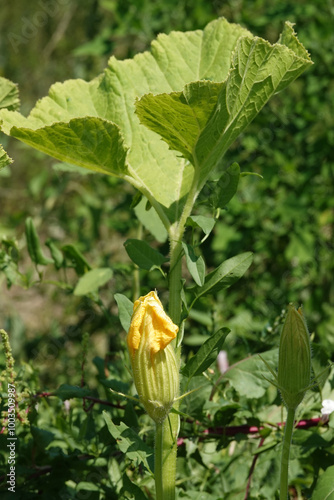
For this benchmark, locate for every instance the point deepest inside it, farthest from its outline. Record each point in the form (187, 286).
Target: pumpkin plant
(163, 121)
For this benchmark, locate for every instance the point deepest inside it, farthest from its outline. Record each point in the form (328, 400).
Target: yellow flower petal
(150, 324)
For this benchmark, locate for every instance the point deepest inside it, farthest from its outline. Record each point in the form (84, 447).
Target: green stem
(286, 453)
(165, 457)
(176, 232)
(175, 282)
(167, 432)
(136, 271)
(158, 457)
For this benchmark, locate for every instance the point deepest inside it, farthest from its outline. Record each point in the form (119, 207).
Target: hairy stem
(165, 457)
(286, 453)
(158, 457)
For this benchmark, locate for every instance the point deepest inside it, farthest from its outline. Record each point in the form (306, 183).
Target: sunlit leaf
(205, 223)
(125, 310)
(204, 119)
(4, 158)
(92, 280)
(9, 95)
(190, 96)
(195, 264)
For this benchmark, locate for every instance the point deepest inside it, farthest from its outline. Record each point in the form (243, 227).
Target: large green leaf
(203, 119)
(204, 106)
(125, 310)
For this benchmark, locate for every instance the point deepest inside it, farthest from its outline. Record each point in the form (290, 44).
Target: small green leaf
(77, 259)
(143, 255)
(205, 223)
(86, 486)
(92, 280)
(116, 385)
(130, 443)
(132, 488)
(56, 254)
(4, 158)
(225, 275)
(254, 174)
(66, 391)
(9, 267)
(150, 220)
(227, 186)
(324, 489)
(9, 99)
(195, 264)
(125, 310)
(206, 354)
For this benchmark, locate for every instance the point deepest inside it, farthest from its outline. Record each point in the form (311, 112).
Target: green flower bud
(294, 363)
(154, 365)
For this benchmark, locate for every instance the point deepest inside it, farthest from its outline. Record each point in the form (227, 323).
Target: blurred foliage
(286, 219)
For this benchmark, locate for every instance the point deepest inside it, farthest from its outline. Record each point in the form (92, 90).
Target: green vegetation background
(286, 219)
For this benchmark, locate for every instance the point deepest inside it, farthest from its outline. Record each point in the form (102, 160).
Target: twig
(252, 469)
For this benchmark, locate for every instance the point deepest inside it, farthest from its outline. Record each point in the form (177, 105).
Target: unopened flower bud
(294, 363)
(154, 365)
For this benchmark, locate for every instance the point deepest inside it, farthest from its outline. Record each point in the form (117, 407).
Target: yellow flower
(153, 360)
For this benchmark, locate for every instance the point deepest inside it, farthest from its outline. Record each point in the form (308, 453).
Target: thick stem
(167, 434)
(286, 453)
(166, 450)
(158, 457)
